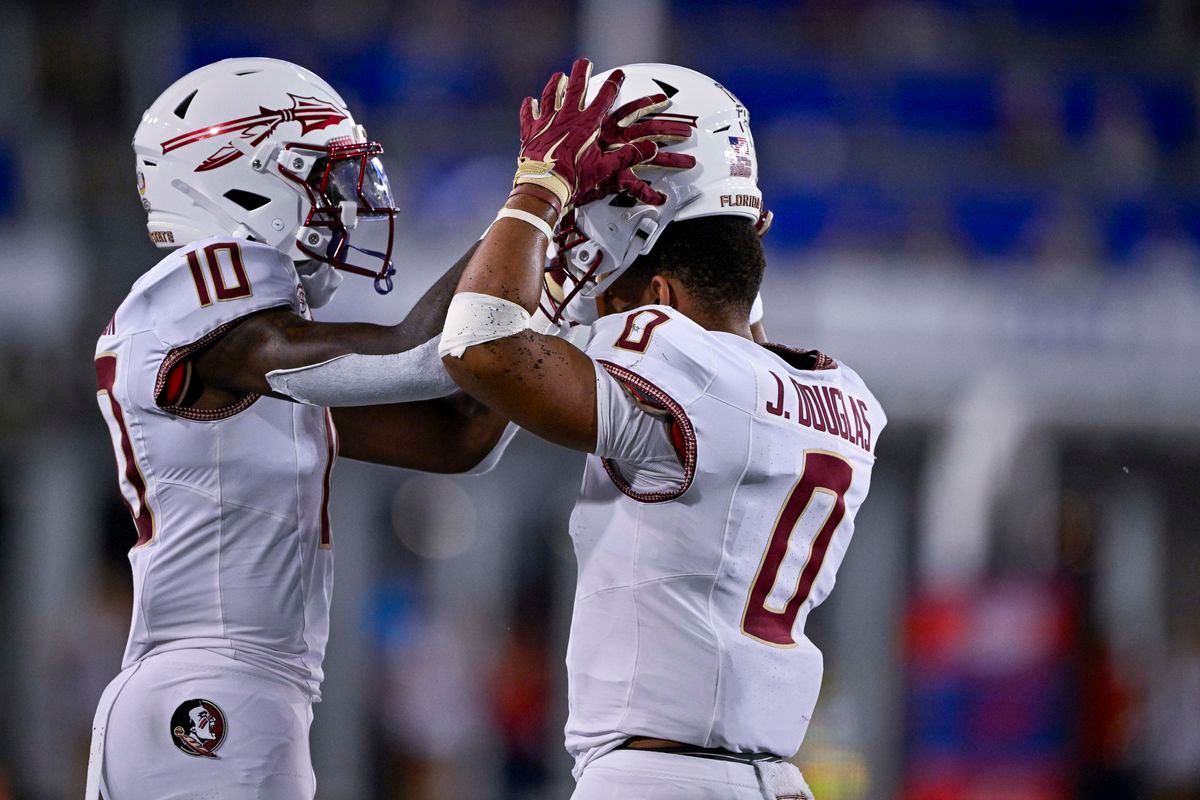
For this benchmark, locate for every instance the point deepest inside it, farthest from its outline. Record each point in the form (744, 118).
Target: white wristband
(475, 318)
(532, 219)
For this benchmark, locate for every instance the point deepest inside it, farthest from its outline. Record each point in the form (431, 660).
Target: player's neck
(738, 325)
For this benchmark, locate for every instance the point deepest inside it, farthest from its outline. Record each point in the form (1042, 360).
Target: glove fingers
(549, 102)
(643, 107)
(658, 130)
(529, 113)
(636, 109)
(630, 183)
(672, 160)
(576, 88)
(663, 136)
(608, 92)
(599, 193)
(628, 155)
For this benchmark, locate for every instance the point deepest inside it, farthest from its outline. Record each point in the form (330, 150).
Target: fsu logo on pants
(198, 728)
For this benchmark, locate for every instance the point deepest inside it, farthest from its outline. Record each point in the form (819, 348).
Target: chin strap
(319, 280)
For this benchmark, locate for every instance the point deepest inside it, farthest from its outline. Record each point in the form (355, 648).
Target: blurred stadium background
(989, 207)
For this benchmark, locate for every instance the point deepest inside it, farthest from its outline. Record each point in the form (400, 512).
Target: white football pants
(153, 740)
(647, 775)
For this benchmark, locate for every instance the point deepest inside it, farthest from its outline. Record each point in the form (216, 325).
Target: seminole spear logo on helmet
(311, 113)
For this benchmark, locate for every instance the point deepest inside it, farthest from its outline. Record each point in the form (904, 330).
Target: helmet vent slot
(720, 130)
(247, 200)
(247, 72)
(623, 200)
(668, 89)
(182, 108)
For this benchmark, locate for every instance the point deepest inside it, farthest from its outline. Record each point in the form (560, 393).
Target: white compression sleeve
(361, 380)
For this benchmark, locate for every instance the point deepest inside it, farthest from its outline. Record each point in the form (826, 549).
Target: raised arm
(542, 383)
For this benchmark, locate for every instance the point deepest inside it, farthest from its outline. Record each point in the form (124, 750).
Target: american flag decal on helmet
(311, 113)
(738, 155)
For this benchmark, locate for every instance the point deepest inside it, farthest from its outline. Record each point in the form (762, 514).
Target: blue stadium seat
(1125, 225)
(993, 222)
(1079, 107)
(1170, 109)
(370, 73)
(1081, 16)
(786, 90)
(208, 44)
(800, 219)
(950, 103)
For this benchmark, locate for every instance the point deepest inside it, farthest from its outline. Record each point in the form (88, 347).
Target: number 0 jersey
(230, 505)
(693, 595)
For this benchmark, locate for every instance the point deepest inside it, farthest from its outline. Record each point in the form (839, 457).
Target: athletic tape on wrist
(475, 318)
(525, 216)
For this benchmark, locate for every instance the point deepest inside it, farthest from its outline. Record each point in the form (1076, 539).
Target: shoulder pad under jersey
(658, 344)
(209, 284)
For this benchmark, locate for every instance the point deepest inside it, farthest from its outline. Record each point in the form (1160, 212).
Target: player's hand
(560, 132)
(627, 125)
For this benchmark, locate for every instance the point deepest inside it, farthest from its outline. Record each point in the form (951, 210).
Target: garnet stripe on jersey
(180, 354)
(331, 445)
(822, 472)
(143, 518)
(683, 434)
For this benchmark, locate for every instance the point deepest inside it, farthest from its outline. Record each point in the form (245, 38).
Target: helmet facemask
(349, 197)
(585, 266)
(570, 272)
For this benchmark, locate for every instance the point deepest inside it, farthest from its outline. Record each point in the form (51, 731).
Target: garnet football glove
(627, 125)
(559, 133)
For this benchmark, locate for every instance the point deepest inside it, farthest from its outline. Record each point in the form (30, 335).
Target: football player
(216, 385)
(723, 475)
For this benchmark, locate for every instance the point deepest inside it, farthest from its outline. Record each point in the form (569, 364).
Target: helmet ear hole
(247, 200)
(623, 200)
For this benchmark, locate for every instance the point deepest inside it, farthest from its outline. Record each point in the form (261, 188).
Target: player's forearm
(544, 384)
(510, 259)
(449, 435)
(426, 318)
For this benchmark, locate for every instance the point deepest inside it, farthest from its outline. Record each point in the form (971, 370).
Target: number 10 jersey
(691, 601)
(230, 504)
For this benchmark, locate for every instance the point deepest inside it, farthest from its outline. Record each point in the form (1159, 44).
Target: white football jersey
(230, 505)
(692, 598)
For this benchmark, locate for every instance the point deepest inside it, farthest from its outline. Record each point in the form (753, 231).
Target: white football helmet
(597, 242)
(262, 149)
